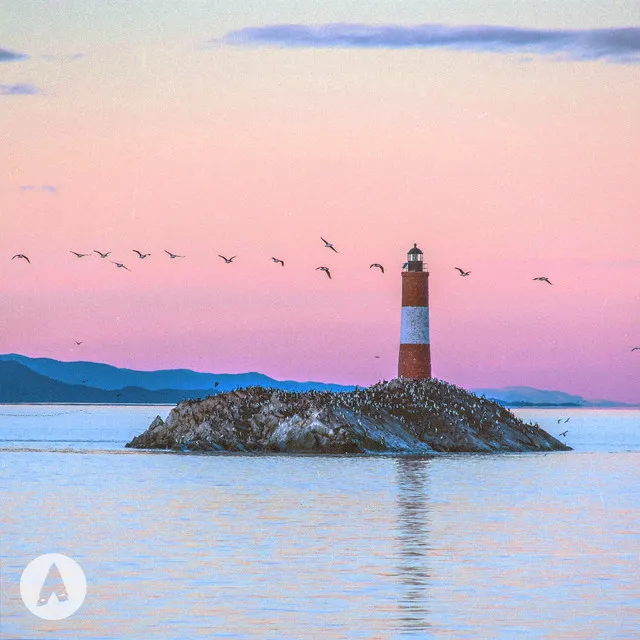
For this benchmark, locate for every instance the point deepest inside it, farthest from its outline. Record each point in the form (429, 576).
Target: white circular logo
(53, 586)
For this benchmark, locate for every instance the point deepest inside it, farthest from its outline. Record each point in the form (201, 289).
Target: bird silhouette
(227, 260)
(141, 255)
(80, 255)
(328, 245)
(567, 420)
(564, 433)
(635, 349)
(544, 279)
(119, 265)
(78, 342)
(277, 260)
(377, 266)
(405, 265)
(22, 256)
(102, 255)
(463, 273)
(172, 255)
(325, 269)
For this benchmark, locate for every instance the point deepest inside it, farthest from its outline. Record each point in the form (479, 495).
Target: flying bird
(119, 265)
(635, 349)
(172, 255)
(21, 255)
(328, 245)
(544, 279)
(567, 420)
(102, 255)
(564, 433)
(463, 273)
(277, 260)
(377, 266)
(227, 260)
(78, 342)
(216, 383)
(142, 256)
(80, 255)
(325, 269)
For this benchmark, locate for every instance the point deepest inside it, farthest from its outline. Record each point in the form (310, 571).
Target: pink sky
(510, 168)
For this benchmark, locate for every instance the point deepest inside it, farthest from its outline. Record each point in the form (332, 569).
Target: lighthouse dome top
(415, 251)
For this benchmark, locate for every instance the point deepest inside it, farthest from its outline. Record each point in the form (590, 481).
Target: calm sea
(186, 546)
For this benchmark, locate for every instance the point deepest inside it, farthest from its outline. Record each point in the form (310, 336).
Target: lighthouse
(415, 351)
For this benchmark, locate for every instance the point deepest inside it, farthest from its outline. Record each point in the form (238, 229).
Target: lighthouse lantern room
(414, 259)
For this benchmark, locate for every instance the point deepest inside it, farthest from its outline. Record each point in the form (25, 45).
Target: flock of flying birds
(173, 256)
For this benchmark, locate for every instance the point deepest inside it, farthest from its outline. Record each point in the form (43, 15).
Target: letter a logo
(53, 586)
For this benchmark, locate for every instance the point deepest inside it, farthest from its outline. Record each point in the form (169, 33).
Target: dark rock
(401, 416)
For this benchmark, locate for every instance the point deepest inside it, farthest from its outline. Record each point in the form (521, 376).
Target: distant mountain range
(531, 397)
(24, 379)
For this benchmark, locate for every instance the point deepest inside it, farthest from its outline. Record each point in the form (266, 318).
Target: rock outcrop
(401, 416)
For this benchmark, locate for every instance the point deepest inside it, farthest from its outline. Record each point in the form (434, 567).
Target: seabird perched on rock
(22, 256)
(377, 266)
(328, 245)
(227, 260)
(544, 279)
(80, 255)
(119, 265)
(172, 255)
(462, 272)
(325, 269)
(278, 261)
(102, 255)
(142, 256)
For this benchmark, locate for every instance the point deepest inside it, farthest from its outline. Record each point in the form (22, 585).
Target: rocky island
(400, 416)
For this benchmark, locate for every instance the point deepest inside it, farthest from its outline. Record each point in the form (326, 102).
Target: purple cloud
(63, 58)
(613, 45)
(11, 56)
(38, 187)
(18, 90)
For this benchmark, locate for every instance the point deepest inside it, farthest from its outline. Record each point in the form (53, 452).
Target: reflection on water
(413, 537)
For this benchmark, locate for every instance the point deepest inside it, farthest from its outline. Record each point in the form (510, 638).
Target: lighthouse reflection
(413, 531)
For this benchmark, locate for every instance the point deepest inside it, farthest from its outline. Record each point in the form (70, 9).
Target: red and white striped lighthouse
(415, 351)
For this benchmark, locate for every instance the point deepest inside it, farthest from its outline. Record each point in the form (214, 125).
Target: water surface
(178, 546)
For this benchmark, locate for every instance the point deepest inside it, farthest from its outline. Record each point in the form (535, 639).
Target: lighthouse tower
(415, 351)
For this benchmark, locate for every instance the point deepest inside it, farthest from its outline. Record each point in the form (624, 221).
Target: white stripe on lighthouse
(414, 328)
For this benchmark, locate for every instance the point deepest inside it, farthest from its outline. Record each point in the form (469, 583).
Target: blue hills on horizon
(49, 380)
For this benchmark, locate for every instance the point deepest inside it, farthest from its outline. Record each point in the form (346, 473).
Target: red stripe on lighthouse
(414, 361)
